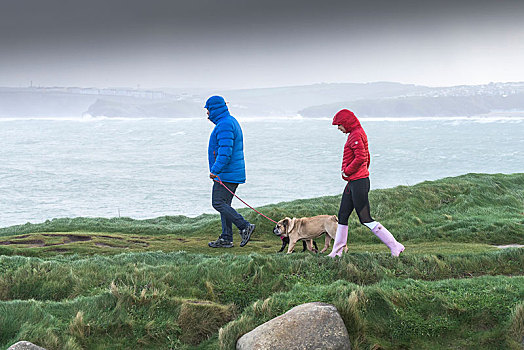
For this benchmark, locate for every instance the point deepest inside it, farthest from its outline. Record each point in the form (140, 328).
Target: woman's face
(343, 129)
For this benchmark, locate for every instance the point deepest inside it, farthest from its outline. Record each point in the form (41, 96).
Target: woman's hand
(212, 176)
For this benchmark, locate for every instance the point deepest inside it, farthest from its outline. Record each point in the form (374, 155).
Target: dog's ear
(286, 223)
(291, 224)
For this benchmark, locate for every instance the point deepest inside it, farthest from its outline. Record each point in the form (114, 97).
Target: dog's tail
(334, 217)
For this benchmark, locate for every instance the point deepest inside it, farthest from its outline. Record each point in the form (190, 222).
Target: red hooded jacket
(355, 162)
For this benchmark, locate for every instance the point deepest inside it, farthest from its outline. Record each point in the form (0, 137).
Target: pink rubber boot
(387, 238)
(341, 239)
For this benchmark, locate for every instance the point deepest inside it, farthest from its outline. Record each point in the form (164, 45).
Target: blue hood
(216, 105)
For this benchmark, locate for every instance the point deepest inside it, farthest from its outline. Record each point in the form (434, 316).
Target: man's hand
(212, 176)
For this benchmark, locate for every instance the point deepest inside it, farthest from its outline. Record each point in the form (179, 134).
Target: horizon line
(138, 88)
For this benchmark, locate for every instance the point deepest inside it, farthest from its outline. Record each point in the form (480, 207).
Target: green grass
(470, 208)
(42, 245)
(93, 283)
(405, 314)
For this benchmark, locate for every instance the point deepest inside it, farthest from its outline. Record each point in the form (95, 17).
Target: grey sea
(144, 168)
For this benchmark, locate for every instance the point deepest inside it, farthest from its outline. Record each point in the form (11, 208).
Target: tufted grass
(93, 283)
(477, 208)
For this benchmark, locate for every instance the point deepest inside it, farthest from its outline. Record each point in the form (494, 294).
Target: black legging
(355, 196)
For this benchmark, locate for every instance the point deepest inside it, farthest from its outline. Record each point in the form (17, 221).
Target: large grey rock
(305, 327)
(24, 345)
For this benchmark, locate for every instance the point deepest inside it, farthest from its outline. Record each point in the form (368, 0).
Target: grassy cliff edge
(95, 283)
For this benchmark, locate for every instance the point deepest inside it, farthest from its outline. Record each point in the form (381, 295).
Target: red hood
(347, 119)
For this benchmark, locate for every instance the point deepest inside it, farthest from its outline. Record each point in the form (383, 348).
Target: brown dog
(307, 229)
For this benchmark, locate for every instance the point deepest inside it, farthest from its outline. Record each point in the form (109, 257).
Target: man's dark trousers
(221, 200)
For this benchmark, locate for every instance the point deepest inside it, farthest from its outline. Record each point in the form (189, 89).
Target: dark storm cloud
(70, 36)
(74, 23)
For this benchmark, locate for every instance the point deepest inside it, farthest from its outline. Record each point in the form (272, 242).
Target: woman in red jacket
(355, 164)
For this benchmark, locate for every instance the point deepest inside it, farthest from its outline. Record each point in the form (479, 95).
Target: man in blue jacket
(226, 162)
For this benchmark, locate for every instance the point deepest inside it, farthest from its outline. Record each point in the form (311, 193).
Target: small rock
(307, 326)
(24, 345)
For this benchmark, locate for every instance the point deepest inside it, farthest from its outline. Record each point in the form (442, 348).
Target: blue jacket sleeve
(225, 138)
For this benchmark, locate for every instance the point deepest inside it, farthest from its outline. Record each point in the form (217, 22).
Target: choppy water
(145, 168)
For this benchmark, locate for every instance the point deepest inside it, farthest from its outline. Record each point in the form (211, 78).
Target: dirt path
(510, 246)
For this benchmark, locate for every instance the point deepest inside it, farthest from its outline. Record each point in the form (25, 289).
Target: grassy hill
(94, 283)
(421, 106)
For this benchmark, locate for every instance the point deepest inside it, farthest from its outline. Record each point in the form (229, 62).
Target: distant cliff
(136, 108)
(378, 99)
(421, 106)
(17, 102)
(75, 102)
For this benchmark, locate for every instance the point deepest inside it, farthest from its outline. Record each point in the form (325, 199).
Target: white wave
(60, 119)
(83, 119)
(175, 120)
(89, 118)
(14, 119)
(481, 119)
(263, 118)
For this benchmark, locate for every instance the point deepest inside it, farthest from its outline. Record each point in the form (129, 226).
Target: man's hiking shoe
(246, 234)
(220, 243)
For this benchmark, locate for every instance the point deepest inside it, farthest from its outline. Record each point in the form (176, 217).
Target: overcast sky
(243, 43)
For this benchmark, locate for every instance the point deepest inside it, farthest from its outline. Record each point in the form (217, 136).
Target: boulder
(24, 345)
(307, 326)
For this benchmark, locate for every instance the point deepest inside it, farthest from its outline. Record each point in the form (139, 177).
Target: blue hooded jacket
(226, 143)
